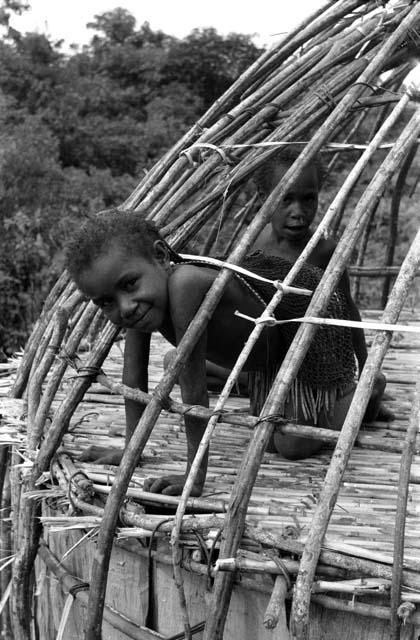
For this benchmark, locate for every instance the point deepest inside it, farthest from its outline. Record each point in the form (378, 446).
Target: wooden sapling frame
(393, 224)
(404, 479)
(354, 417)
(252, 460)
(161, 191)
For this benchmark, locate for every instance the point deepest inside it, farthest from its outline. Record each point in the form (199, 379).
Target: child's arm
(136, 360)
(135, 375)
(186, 297)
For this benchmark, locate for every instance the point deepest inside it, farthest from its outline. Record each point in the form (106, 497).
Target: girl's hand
(171, 485)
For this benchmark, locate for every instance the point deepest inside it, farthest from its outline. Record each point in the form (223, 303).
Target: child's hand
(101, 455)
(171, 485)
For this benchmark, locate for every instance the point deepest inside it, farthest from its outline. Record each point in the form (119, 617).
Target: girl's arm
(135, 375)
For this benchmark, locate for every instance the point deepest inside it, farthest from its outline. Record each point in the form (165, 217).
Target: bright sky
(64, 19)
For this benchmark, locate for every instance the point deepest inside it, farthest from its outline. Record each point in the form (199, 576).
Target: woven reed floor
(286, 492)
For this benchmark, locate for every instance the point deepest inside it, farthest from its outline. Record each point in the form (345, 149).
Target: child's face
(297, 209)
(131, 289)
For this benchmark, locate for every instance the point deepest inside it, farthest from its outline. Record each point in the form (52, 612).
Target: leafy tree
(77, 129)
(209, 62)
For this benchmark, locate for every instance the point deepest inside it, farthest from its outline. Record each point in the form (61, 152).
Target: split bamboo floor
(286, 492)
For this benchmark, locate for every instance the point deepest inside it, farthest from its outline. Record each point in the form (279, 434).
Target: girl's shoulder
(190, 275)
(190, 282)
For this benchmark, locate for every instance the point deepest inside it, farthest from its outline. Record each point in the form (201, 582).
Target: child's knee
(168, 358)
(374, 404)
(380, 384)
(295, 448)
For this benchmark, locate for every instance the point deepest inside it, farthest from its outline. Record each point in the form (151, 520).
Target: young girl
(119, 260)
(288, 233)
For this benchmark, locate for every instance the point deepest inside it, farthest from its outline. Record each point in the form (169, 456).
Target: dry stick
(242, 221)
(350, 135)
(303, 33)
(5, 540)
(33, 342)
(377, 126)
(354, 416)
(222, 208)
(361, 252)
(404, 479)
(57, 374)
(64, 412)
(165, 171)
(393, 223)
(285, 79)
(38, 376)
(26, 542)
(360, 608)
(319, 58)
(374, 272)
(196, 504)
(355, 128)
(205, 440)
(30, 531)
(196, 522)
(251, 462)
(276, 604)
(291, 129)
(358, 565)
(295, 89)
(364, 441)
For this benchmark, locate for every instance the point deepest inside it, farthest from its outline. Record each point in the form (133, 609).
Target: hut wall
(127, 589)
(127, 593)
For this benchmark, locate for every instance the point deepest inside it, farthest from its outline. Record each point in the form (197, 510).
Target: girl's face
(132, 290)
(297, 209)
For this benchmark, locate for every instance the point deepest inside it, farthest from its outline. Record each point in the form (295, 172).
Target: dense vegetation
(77, 129)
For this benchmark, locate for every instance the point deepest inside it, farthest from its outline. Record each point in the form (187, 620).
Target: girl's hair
(125, 227)
(263, 176)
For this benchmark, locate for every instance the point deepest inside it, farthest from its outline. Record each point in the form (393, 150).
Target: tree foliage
(77, 130)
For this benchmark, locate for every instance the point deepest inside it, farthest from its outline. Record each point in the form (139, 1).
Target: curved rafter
(325, 69)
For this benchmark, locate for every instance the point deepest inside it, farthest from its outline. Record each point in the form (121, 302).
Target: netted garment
(329, 365)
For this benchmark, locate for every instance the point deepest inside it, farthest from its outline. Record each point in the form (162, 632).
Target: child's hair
(284, 154)
(98, 233)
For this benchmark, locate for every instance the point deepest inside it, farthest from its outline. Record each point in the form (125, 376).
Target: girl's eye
(103, 303)
(130, 284)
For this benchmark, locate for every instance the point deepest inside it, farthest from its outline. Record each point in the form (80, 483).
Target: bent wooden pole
(26, 520)
(403, 484)
(291, 364)
(328, 497)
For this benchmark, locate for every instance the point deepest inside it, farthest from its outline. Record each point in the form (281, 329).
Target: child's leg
(216, 376)
(375, 409)
(295, 448)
